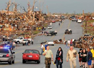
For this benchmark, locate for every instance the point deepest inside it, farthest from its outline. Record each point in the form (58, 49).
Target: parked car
(68, 31)
(50, 43)
(79, 21)
(49, 27)
(53, 21)
(51, 33)
(18, 40)
(25, 42)
(74, 19)
(31, 55)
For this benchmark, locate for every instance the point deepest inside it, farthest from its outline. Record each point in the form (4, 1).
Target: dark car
(68, 31)
(6, 55)
(51, 33)
(74, 20)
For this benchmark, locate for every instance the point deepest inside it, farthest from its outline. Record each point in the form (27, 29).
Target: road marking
(57, 30)
(68, 28)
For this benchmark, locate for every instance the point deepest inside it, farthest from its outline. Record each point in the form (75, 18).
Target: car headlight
(55, 31)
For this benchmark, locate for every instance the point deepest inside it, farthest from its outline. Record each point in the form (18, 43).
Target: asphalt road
(77, 32)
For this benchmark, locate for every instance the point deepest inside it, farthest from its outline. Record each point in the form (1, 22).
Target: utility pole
(86, 25)
(33, 5)
(8, 5)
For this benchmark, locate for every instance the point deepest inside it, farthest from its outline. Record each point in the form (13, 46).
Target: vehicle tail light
(24, 55)
(7, 55)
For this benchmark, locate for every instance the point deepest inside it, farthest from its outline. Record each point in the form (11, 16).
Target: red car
(31, 55)
(53, 21)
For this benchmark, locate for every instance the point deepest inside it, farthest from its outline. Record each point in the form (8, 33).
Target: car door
(11, 55)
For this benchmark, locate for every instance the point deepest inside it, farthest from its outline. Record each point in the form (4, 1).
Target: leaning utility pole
(33, 5)
(29, 8)
(86, 24)
(8, 5)
(15, 9)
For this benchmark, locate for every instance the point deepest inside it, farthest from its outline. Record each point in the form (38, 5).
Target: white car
(25, 42)
(49, 27)
(50, 43)
(79, 21)
(18, 40)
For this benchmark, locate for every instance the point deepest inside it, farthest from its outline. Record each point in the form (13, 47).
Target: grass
(90, 21)
(36, 32)
(45, 25)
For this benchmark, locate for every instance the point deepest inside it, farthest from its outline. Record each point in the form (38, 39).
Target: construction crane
(8, 5)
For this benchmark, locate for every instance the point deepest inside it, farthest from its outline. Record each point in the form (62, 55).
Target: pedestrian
(80, 57)
(71, 56)
(84, 58)
(48, 57)
(42, 48)
(11, 45)
(59, 24)
(92, 51)
(71, 42)
(89, 59)
(32, 41)
(14, 44)
(59, 58)
(68, 42)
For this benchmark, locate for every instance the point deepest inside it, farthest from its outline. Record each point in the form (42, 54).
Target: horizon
(56, 6)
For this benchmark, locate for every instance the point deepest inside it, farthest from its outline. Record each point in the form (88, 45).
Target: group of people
(85, 56)
(49, 56)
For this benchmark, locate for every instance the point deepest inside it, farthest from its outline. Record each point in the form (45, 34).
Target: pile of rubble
(84, 42)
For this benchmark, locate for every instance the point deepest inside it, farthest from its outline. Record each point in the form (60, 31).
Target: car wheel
(13, 61)
(52, 44)
(18, 42)
(23, 61)
(38, 62)
(10, 62)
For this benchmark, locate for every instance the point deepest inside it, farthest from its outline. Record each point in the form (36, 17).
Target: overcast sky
(57, 6)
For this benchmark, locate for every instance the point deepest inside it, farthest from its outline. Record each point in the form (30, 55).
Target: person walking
(32, 41)
(92, 51)
(59, 58)
(84, 58)
(71, 55)
(14, 45)
(89, 59)
(48, 57)
(59, 24)
(71, 42)
(42, 48)
(80, 57)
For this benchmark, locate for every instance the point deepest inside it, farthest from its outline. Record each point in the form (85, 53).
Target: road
(77, 32)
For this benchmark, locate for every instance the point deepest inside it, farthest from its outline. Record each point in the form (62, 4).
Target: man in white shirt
(42, 48)
(71, 56)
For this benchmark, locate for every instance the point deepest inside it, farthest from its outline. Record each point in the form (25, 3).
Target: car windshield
(31, 51)
(4, 51)
(49, 26)
(25, 40)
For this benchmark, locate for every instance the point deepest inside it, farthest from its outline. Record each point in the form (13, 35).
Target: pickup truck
(21, 39)
(18, 40)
